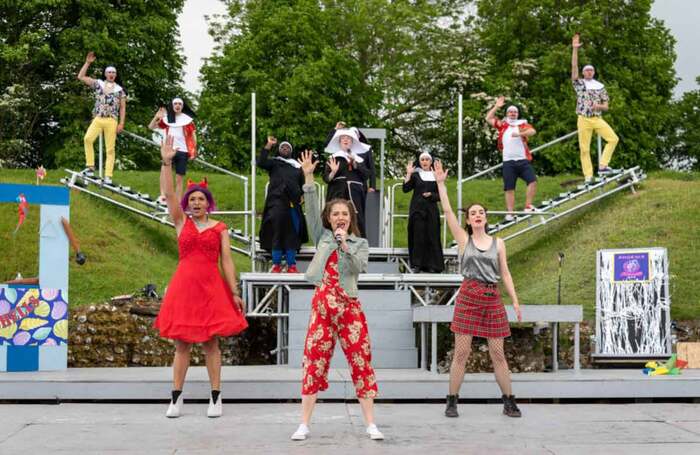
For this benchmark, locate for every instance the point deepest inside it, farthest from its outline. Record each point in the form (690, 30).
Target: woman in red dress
(200, 305)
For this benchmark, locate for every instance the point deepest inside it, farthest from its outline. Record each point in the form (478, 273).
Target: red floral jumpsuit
(335, 315)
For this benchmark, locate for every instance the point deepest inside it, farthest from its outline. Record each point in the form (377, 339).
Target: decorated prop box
(34, 318)
(633, 305)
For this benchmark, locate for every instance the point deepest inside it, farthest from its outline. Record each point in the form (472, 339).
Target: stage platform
(279, 382)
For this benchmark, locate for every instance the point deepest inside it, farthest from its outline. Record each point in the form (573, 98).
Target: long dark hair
(467, 226)
(326, 215)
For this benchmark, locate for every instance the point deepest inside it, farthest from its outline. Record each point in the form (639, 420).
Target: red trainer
(276, 269)
(292, 269)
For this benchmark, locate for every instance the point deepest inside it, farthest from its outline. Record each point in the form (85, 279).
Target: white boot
(175, 409)
(302, 433)
(215, 409)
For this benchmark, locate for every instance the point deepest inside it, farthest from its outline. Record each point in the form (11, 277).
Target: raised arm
(331, 169)
(408, 182)
(167, 152)
(264, 162)
(575, 44)
(491, 114)
(82, 74)
(507, 278)
(160, 113)
(458, 233)
(311, 211)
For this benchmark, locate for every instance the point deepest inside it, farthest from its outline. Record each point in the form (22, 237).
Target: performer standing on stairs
(479, 310)
(512, 142)
(177, 120)
(283, 227)
(424, 247)
(110, 105)
(341, 255)
(591, 101)
(346, 172)
(200, 305)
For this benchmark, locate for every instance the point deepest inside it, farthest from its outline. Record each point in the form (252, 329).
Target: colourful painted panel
(33, 317)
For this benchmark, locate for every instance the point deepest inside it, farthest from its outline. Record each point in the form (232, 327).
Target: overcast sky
(681, 16)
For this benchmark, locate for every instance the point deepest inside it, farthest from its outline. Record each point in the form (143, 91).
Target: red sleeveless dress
(198, 303)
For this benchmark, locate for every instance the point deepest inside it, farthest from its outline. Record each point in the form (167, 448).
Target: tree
(43, 43)
(682, 149)
(373, 63)
(633, 54)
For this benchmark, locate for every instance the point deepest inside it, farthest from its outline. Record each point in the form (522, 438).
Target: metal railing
(533, 151)
(392, 215)
(247, 235)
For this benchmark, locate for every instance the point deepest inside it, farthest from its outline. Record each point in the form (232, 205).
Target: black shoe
(510, 408)
(451, 409)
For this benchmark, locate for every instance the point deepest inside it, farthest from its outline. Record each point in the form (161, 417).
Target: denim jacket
(350, 264)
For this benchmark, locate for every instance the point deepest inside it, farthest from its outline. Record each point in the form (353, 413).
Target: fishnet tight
(463, 348)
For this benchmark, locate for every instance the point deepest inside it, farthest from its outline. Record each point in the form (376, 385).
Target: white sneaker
(161, 200)
(175, 409)
(215, 409)
(302, 433)
(531, 208)
(508, 218)
(88, 172)
(588, 180)
(374, 432)
(107, 181)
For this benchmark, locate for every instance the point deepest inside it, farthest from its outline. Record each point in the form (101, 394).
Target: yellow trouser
(108, 126)
(586, 127)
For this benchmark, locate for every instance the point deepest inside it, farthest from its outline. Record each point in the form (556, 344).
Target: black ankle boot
(451, 409)
(510, 408)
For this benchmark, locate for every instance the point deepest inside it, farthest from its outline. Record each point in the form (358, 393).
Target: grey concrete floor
(337, 428)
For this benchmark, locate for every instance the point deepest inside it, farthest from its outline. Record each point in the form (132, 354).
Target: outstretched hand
(501, 101)
(308, 165)
(90, 58)
(334, 165)
(410, 168)
(576, 41)
(167, 152)
(271, 141)
(439, 172)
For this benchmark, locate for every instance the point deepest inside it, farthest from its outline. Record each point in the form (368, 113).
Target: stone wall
(121, 334)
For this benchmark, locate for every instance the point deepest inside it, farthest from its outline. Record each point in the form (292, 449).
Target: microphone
(338, 239)
(561, 256)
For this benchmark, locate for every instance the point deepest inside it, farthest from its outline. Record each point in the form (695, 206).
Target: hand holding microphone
(340, 236)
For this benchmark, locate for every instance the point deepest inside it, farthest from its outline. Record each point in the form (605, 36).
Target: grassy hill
(126, 251)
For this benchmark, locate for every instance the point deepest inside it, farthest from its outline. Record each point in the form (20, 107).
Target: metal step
(389, 320)
(626, 177)
(381, 358)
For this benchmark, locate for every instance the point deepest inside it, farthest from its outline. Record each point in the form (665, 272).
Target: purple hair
(184, 203)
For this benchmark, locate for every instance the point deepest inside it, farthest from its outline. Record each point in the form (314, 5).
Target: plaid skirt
(479, 311)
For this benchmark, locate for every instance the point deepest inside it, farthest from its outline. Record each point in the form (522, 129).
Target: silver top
(478, 265)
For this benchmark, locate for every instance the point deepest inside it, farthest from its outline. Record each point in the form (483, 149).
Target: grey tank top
(478, 265)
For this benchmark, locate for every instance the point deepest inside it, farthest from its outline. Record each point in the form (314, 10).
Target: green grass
(125, 251)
